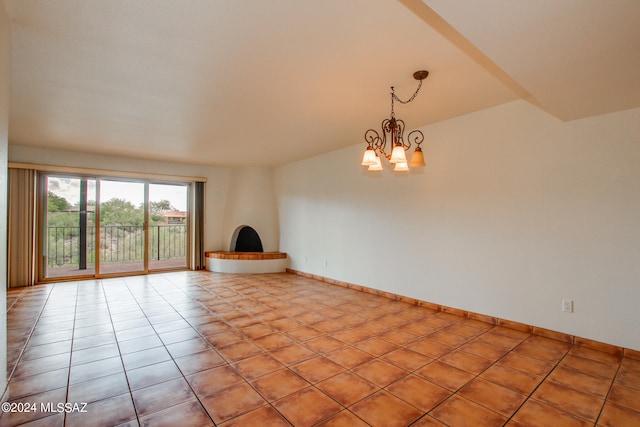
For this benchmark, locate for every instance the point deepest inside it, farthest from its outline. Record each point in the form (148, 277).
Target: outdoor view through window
(74, 205)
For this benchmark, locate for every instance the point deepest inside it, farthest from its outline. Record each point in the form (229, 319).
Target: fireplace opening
(247, 240)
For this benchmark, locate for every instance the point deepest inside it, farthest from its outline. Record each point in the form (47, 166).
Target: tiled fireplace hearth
(246, 255)
(246, 262)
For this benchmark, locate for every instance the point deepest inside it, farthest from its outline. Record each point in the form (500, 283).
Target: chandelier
(393, 134)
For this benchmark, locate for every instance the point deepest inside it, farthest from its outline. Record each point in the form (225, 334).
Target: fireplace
(246, 239)
(246, 255)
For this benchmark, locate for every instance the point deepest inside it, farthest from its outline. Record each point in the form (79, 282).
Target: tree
(57, 203)
(121, 212)
(156, 208)
(162, 205)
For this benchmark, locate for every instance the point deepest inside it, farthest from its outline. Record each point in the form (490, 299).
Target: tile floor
(199, 348)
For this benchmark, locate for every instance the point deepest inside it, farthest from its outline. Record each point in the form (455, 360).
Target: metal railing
(118, 244)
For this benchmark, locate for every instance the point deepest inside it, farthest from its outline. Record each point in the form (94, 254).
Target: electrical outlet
(567, 305)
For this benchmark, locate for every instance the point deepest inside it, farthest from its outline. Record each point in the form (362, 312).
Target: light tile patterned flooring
(198, 348)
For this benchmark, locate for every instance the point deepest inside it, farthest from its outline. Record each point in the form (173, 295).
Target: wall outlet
(567, 305)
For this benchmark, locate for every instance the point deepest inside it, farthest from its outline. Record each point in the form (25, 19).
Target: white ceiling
(266, 82)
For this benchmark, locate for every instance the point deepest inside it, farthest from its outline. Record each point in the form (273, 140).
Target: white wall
(223, 206)
(251, 201)
(514, 212)
(5, 60)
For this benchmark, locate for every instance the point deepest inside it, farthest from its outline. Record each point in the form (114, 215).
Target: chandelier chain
(394, 97)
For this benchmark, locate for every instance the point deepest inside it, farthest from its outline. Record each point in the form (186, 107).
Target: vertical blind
(21, 225)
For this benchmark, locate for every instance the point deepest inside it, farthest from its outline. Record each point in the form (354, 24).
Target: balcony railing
(118, 244)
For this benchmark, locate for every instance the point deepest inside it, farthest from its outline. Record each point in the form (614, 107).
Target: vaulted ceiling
(266, 82)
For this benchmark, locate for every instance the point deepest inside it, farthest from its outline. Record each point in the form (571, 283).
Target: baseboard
(535, 330)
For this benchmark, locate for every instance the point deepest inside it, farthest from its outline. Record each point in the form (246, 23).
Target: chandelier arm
(376, 142)
(416, 137)
(387, 135)
(371, 137)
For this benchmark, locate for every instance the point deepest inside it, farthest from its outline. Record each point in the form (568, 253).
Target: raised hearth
(246, 262)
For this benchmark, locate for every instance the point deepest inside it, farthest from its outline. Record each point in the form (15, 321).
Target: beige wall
(514, 212)
(5, 61)
(229, 193)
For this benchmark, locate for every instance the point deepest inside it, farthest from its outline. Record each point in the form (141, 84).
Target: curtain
(198, 227)
(21, 224)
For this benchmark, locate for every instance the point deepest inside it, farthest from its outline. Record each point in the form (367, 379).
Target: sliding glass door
(167, 226)
(68, 231)
(122, 231)
(139, 226)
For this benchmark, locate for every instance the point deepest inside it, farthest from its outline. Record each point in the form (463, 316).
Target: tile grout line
(229, 363)
(200, 335)
(164, 345)
(22, 350)
(540, 385)
(374, 357)
(124, 369)
(606, 398)
(73, 334)
(167, 350)
(263, 351)
(429, 413)
(5, 394)
(453, 349)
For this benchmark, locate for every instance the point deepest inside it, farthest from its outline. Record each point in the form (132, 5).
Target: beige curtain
(198, 227)
(21, 225)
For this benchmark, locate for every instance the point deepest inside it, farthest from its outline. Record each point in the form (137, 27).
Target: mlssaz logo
(63, 407)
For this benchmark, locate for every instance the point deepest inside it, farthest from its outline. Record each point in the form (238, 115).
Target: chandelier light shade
(392, 138)
(401, 166)
(417, 160)
(377, 166)
(369, 158)
(398, 155)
